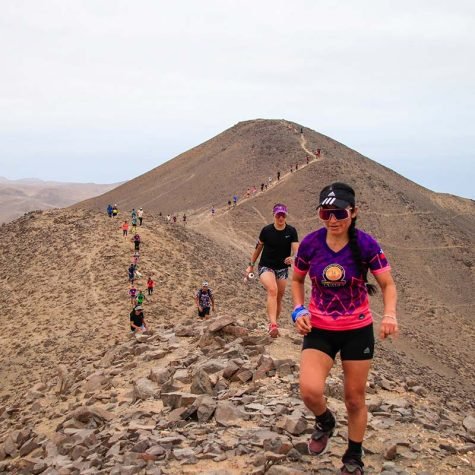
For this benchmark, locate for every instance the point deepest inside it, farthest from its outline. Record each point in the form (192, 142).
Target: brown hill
(18, 197)
(78, 395)
(427, 236)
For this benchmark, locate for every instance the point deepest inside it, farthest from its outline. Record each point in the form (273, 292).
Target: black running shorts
(204, 312)
(352, 344)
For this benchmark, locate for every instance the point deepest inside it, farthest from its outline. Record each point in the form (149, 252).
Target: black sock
(354, 451)
(326, 420)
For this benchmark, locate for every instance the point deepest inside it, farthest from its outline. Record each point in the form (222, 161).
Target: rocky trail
(81, 395)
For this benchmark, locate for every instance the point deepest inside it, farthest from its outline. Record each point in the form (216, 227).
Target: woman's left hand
(389, 327)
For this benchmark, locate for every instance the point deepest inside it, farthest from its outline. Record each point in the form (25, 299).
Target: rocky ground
(80, 395)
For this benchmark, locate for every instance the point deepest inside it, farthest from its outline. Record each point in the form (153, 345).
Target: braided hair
(355, 250)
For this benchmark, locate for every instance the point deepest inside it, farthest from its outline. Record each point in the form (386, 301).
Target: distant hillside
(18, 197)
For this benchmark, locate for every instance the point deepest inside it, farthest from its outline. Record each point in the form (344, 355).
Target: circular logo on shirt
(333, 272)
(333, 275)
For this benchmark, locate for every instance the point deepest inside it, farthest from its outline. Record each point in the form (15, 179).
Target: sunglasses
(325, 214)
(280, 215)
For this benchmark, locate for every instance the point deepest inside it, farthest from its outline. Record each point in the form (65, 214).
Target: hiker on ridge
(337, 258)
(150, 286)
(204, 300)
(125, 229)
(277, 242)
(137, 320)
(136, 240)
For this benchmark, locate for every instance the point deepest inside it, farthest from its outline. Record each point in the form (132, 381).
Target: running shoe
(352, 467)
(318, 443)
(273, 330)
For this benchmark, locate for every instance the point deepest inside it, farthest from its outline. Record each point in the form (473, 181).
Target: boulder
(91, 415)
(295, 424)
(219, 323)
(469, 424)
(201, 383)
(227, 414)
(95, 382)
(160, 375)
(145, 389)
(178, 399)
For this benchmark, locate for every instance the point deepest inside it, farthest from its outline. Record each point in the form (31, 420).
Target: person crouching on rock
(277, 242)
(337, 258)
(137, 320)
(204, 300)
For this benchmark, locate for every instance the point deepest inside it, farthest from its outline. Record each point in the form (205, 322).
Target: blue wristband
(299, 312)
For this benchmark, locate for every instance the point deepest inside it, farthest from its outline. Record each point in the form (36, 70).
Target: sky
(103, 91)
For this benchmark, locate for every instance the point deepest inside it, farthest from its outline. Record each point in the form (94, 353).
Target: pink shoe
(273, 330)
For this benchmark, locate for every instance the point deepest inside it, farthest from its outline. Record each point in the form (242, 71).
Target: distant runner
(125, 229)
(115, 211)
(131, 271)
(109, 211)
(136, 240)
(204, 300)
(133, 294)
(137, 320)
(140, 216)
(150, 286)
(277, 242)
(140, 297)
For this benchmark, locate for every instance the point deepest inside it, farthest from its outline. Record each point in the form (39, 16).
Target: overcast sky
(105, 90)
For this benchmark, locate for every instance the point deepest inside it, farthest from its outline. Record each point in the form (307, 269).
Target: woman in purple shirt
(337, 258)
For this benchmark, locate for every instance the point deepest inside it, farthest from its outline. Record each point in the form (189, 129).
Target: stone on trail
(141, 337)
(283, 470)
(201, 383)
(178, 399)
(230, 369)
(390, 451)
(160, 375)
(91, 414)
(227, 414)
(469, 424)
(186, 456)
(220, 323)
(95, 382)
(295, 424)
(145, 389)
(154, 355)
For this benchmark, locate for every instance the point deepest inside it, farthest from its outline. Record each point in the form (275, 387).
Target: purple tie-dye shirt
(339, 296)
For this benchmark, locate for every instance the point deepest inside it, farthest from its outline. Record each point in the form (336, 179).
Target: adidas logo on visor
(329, 200)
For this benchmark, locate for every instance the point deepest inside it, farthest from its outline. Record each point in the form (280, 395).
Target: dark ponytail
(355, 250)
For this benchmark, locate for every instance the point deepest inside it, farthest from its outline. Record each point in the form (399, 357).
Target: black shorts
(203, 312)
(352, 344)
(137, 245)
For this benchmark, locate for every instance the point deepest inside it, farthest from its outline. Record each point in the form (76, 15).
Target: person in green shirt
(140, 297)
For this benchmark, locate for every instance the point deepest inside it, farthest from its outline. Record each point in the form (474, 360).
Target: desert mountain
(18, 197)
(429, 237)
(80, 395)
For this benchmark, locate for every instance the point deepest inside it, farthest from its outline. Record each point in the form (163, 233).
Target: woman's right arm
(255, 256)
